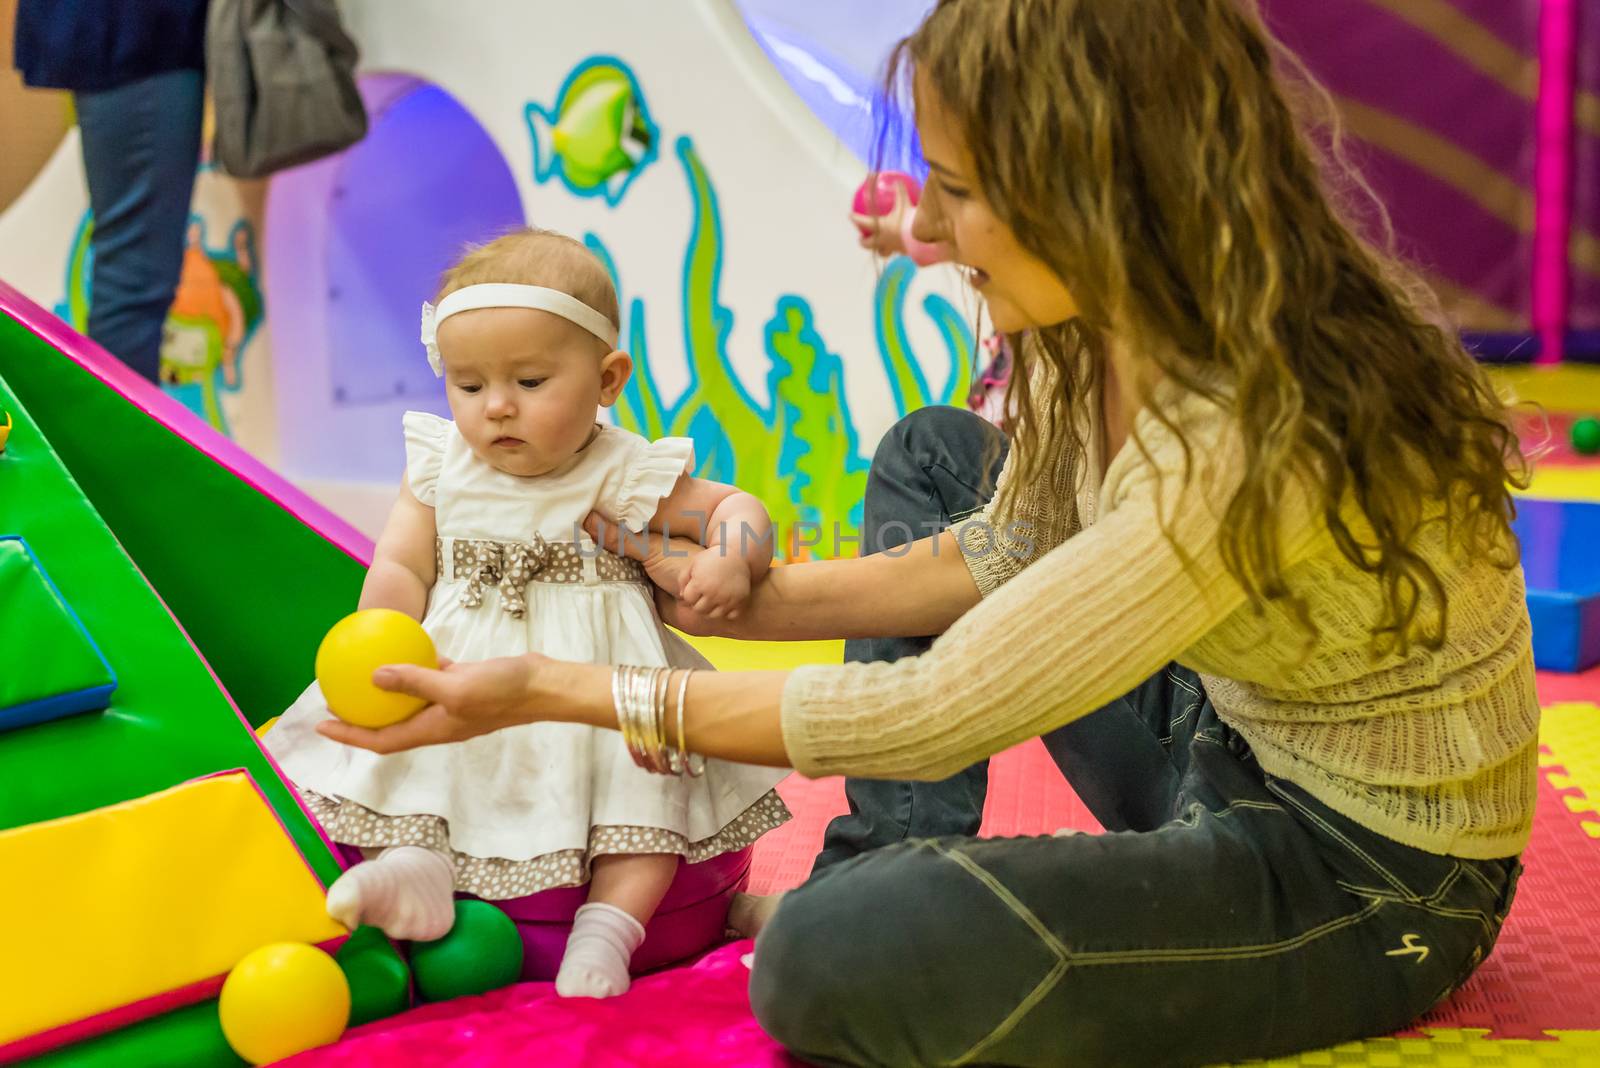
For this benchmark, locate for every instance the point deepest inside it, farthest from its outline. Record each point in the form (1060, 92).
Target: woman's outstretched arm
(1012, 668)
(920, 589)
(916, 589)
(734, 716)
(1088, 621)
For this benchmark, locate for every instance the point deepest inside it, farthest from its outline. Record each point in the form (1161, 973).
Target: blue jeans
(927, 472)
(141, 144)
(1226, 914)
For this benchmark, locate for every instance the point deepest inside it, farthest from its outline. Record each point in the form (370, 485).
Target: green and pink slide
(162, 594)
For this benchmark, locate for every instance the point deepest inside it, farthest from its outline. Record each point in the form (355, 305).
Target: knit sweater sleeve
(1095, 616)
(993, 547)
(997, 543)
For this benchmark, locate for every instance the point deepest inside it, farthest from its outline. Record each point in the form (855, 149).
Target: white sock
(598, 951)
(407, 892)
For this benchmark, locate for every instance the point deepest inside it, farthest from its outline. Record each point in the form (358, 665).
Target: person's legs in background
(141, 145)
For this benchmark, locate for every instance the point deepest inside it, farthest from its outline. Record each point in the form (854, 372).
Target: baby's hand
(716, 585)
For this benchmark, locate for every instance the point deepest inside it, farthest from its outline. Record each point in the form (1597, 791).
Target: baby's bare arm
(402, 569)
(723, 518)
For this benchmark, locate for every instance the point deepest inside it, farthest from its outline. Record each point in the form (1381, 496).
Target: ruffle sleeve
(650, 475)
(426, 435)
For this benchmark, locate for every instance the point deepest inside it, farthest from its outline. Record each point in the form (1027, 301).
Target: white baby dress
(524, 809)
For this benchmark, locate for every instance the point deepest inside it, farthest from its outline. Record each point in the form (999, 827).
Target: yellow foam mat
(1459, 1049)
(132, 901)
(1560, 388)
(730, 655)
(1556, 482)
(1572, 732)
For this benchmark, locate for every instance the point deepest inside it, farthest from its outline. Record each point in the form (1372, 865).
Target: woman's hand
(464, 701)
(666, 562)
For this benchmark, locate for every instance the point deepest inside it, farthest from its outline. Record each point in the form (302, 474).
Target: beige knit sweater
(1434, 749)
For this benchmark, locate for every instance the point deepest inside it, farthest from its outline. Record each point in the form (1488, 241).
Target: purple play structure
(1478, 124)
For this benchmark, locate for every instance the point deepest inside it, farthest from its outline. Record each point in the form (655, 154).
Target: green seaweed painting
(801, 452)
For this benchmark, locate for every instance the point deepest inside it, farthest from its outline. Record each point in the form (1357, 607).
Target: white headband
(506, 295)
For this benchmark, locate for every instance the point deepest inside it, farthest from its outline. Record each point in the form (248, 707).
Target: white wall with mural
(706, 150)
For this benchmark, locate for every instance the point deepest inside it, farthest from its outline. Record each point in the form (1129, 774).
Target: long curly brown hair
(1153, 154)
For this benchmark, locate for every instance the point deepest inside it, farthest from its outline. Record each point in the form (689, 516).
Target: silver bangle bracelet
(687, 763)
(658, 721)
(639, 695)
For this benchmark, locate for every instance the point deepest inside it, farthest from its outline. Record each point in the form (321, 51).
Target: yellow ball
(283, 999)
(358, 645)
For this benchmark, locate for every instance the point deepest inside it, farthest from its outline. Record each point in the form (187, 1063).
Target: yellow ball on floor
(282, 999)
(358, 645)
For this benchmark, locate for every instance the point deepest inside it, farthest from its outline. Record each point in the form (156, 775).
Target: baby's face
(524, 385)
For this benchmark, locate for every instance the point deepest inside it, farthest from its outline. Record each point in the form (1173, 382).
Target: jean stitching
(1477, 915)
(1180, 721)
(1213, 953)
(1000, 890)
(1017, 1015)
(928, 469)
(1045, 936)
(1259, 806)
(1173, 678)
(1445, 884)
(1388, 876)
(911, 811)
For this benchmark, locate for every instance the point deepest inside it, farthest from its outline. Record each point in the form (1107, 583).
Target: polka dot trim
(498, 879)
(478, 561)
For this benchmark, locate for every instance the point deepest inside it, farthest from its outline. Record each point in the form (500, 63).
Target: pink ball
(875, 195)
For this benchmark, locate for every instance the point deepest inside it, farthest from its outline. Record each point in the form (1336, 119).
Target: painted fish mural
(800, 451)
(598, 136)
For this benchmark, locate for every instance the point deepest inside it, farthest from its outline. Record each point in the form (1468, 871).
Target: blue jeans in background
(141, 145)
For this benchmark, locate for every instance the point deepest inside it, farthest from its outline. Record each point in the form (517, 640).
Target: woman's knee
(928, 469)
(896, 957)
(827, 963)
(794, 976)
(936, 434)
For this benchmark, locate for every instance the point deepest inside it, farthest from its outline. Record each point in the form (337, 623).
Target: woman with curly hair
(1248, 569)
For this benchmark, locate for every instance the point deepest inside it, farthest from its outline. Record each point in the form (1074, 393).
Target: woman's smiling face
(1020, 289)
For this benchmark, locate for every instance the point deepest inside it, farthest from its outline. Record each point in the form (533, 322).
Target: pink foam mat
(1555, 687)
(697, 1015)
(1544, 974)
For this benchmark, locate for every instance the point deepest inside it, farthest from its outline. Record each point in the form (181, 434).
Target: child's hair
(1146, 151)
(533, 257)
